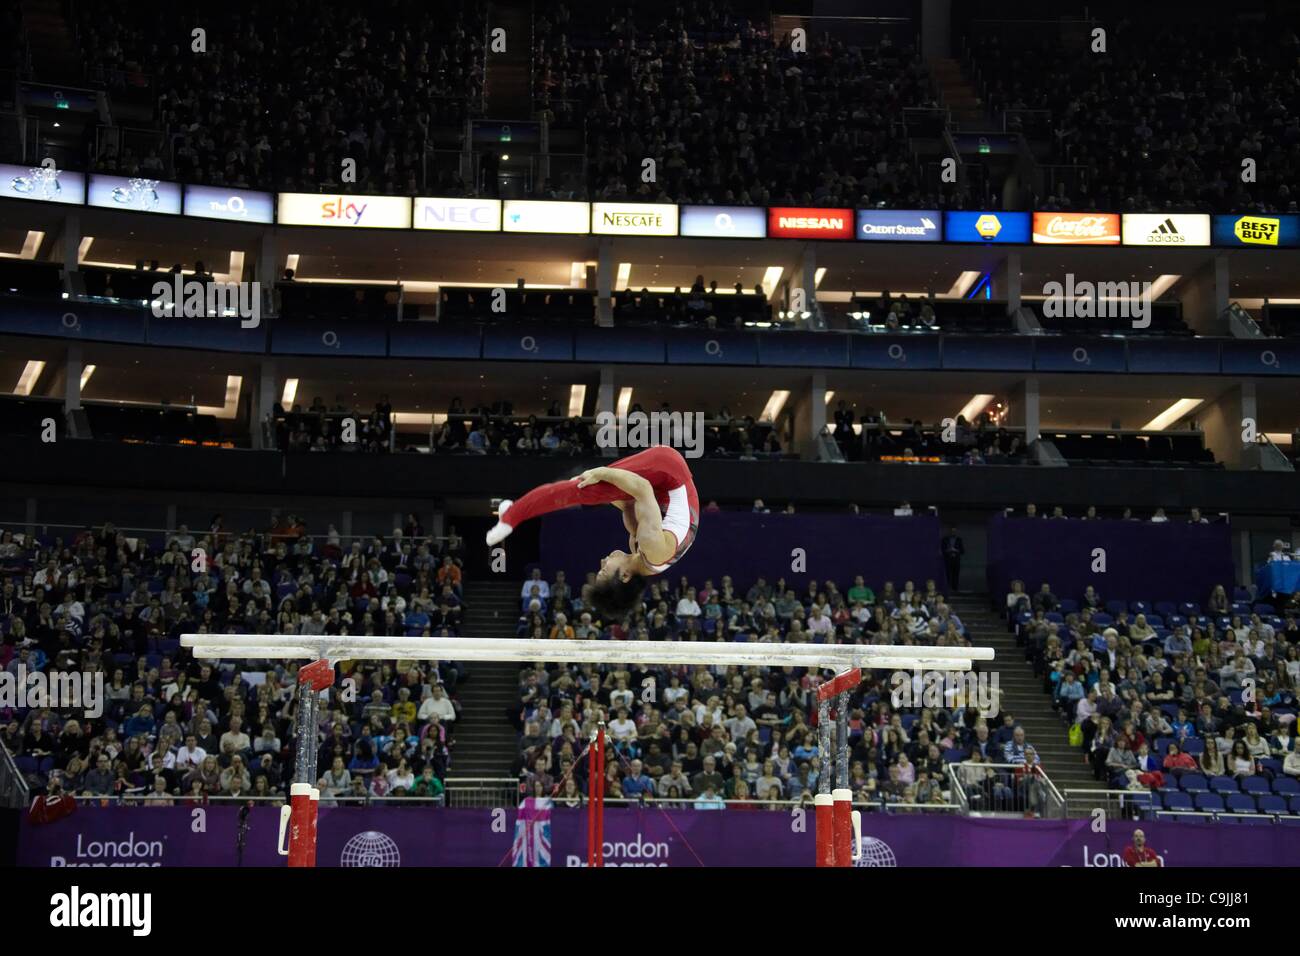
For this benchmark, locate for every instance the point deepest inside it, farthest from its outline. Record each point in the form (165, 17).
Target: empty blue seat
(1264, 609)
(1069, 605)
(1294, 804)
(1194, 783)
(1257, 784)
(954, 755)
(1102, 619)
(1115, 607)
(1156, 620)
(1269, 803)
(1164, 608)
(1240, 803)
(1169, 710)
(1177, 800)
(1224, 785)
(1188, 609)
(1210, 802)
(1139, 607)
(1286, 785)
(1194, 746)
(1271, 764)
(1176, 620)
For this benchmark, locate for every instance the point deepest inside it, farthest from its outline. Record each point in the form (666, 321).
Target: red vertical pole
(600, 809)
(841, 812)
(301, 845)
(593, 780)
(824, 823)
(314, 810)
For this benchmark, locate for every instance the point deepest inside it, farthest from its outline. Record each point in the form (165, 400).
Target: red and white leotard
(662, 466)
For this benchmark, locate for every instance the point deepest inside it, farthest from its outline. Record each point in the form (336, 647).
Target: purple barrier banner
(414, 836)
(1171, 561)
(748, 546)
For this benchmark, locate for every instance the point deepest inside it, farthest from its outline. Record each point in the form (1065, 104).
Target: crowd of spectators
(109, 602)
(1152, 691)
(1159, 125)
(869, 436)
(746, 738)
(268, 104)
(338, 427)
(730, 112)
(728, 109)
(495, 430)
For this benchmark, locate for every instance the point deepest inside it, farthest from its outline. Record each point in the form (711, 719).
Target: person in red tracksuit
(661, 511)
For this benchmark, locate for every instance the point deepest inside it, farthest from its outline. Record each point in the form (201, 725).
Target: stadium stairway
(55, 58)
(958, 95)
(486, 743)
(507, 77)
(1023, 695)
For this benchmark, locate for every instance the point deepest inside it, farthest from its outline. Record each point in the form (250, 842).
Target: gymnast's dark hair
(614, 599)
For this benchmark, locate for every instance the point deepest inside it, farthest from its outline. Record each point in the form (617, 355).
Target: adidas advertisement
(1173, 229)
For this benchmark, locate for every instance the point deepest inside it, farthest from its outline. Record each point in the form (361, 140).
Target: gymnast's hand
(591, 476)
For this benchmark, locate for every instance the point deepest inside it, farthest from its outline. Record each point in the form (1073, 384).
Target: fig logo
(875, 853)
(370, 849)
(988, 227)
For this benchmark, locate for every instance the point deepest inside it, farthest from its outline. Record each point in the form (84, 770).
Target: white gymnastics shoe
(500, 531)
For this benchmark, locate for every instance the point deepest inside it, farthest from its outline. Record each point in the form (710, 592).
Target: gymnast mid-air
(661, 511)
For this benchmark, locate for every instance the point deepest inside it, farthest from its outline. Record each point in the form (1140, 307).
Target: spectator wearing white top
(438, 704)
(621, 728)
(1159, 516)
(190, 755)
(1279, 552)
(819, 624)
(620, 696)
(740, 725)
(543, 588)
(688, 606)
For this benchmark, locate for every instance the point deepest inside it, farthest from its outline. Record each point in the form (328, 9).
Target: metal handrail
(14, 791)
(199, 534)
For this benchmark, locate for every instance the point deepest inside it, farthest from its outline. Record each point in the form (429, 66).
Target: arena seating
(1184, 677)
(118, 600)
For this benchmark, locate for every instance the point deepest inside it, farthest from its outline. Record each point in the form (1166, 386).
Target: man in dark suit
(953, 549)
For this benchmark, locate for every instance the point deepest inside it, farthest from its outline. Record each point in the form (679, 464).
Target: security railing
(999, 788)
(482, 791)
(1114, 804)
(14, 792)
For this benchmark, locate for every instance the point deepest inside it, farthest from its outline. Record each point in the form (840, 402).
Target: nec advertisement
(43, 183)
(724, 222)
(134, 193)
(1260, 231)
(236, 205)
(986, 227)
(458, 215)
(633, 219)
(1160, 229)
(348, 211)
(899, 225)
(533, 215)
(793, 222)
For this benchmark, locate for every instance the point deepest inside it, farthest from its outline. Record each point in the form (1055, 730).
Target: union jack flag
(532, 846)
